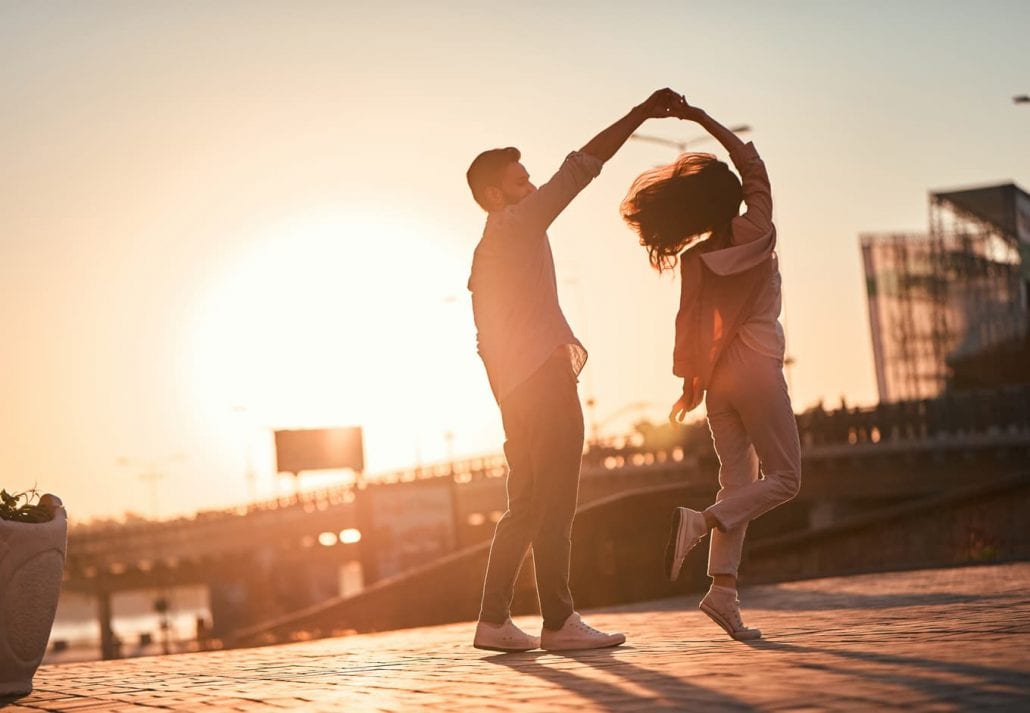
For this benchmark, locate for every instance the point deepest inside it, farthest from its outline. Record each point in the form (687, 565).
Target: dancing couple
(729, 352)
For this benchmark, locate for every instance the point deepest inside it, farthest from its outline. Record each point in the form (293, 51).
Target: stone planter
(31, 569)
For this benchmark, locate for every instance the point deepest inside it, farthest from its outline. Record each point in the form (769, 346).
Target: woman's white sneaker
(576, 634)
(723, 607)
(503, 637)
(688, 527)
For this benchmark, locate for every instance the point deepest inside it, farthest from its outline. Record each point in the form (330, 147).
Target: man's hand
(663, 103)
(686, 403)
(683, 110)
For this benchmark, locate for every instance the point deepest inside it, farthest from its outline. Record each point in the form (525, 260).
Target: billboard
(319, 449)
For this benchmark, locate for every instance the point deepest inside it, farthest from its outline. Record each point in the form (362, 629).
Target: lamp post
(449, 302)
(241, 411)
(590, 400)
(152, 475)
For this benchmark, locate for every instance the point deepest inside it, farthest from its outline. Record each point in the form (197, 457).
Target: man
(532, 360)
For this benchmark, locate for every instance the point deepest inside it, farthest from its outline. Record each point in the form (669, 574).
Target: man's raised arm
(546, 203)
(660, 104)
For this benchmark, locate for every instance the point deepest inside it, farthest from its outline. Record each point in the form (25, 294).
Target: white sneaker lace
(589, 629)
(735, 613)
(685, 526)
(732, 612)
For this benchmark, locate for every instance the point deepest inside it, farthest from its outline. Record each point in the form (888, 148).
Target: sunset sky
(222, 218)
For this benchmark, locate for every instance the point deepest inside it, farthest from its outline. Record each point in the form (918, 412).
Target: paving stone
(946, 639)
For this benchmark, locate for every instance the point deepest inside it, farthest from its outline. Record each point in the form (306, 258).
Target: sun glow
(344, 319)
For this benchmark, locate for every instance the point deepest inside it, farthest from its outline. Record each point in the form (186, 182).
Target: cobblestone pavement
(948, 639)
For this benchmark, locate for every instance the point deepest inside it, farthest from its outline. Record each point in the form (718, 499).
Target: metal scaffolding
(946, 306)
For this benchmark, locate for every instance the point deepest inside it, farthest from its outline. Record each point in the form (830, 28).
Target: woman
(729, 345)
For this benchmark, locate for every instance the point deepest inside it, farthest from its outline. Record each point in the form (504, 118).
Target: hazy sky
(221, 218)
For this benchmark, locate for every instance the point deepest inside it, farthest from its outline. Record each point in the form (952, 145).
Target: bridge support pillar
(109, 645)
(821, 513)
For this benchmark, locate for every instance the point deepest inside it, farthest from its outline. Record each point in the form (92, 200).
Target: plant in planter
(33, 539)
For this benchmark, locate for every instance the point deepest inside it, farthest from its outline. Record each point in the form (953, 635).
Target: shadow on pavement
(1008, 689)
(11, 700)
(663, 692)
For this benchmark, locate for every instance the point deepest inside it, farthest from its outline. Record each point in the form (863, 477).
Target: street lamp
(241, 411)
(152, 475)
(681, 146)
(450, 301)
(590, 401)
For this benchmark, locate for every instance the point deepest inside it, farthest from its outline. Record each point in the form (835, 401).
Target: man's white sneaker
(575, 634)
(503, 637)
(723, 607)
(688, 527)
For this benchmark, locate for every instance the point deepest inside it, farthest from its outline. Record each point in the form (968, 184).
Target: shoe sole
(671, 571)
(503, 651)
(587, 648)
(726, 626)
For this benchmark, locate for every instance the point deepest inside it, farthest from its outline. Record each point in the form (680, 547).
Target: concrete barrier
(619, 545)
(979, 524)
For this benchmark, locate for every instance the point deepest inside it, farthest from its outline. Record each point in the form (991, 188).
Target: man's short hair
(487, 169)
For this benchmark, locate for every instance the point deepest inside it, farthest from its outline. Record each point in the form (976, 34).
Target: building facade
(948, 308)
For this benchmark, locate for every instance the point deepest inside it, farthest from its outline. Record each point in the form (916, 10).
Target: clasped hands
(667, 103)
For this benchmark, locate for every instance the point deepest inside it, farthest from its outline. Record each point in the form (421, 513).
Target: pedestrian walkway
(948, 639)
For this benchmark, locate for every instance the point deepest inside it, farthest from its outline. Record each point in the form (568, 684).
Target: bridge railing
(952, 416)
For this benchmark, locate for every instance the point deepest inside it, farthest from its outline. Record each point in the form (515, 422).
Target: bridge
(281, 555)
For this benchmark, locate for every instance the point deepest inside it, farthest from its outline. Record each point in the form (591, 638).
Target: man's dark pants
(543, 427)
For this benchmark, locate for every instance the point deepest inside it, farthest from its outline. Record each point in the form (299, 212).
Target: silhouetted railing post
(109, 648)
(367, 554)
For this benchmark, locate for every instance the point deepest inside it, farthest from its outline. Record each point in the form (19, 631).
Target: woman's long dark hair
(671, 207)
